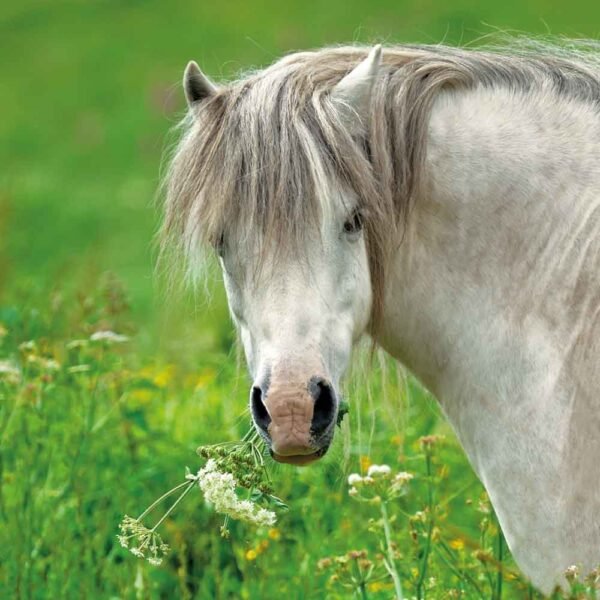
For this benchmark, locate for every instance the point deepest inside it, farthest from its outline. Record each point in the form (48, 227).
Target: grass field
(92, 430)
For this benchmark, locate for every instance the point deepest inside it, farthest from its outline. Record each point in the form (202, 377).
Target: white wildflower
(50, 364)
(148, 544)
(420, 516)
(572, 573)
(108, 336)
(403, 477)
(353, 492)
(79, 369)
(29, 346)
(354, 478)
(9, 371)
(219, 490)
(265, 517)
(368, 480)
(379, 471)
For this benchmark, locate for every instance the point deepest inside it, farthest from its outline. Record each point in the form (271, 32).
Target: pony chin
(299, 460)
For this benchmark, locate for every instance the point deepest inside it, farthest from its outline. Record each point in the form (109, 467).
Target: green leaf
(343, 410)
(256, 495)
(278, 502)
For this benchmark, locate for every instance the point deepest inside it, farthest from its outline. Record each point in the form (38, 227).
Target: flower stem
(391, 563)
(423, 569)
(181, 497)
(500, 565)
(363, 591)
(177, 487)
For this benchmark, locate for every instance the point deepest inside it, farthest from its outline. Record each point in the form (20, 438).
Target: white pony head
(269, 173)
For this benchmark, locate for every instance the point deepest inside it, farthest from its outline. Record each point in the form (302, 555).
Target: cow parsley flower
(141, 541)
(572, 573)
(219, 490)
(110, 337)
(9, 372)
(403, 477)
(354, 478)
(378, 484)
(231, 470)
(379, 471)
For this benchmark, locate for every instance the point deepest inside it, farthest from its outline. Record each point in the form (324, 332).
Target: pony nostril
(259, 410)
(325, 405)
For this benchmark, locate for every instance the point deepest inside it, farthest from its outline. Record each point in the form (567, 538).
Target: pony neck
(511, 189)
(488, 302)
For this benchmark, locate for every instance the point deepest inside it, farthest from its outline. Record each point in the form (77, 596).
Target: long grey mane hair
(257, 156)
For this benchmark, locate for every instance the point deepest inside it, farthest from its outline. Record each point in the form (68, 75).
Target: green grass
(82, 448)
(88, 93)
(91, 431)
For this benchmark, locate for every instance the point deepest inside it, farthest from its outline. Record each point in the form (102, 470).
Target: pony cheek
(249, 350)
(355, 303)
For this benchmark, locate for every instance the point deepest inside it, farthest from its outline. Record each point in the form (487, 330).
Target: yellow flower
(274, 534)
(262, 546)
(164, 376)
(251, 554)
(379, 586)
(141, 396)
(457, 544)
(346, 525)
(365, 463)
(205, 378)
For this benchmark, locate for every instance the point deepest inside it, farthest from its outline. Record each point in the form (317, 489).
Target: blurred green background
(89, 91)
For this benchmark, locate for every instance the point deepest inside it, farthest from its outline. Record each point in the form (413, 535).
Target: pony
(444, 202)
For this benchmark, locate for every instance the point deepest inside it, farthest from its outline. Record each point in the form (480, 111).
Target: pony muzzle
(297, 420)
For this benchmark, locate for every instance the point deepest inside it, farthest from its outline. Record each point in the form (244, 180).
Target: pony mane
(257, 157)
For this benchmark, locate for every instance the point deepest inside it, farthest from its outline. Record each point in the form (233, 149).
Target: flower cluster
(230, 469)
(244, 460)
(354, 571)
(219, 489)
(585, 586)
(378, 482)
(9, 372)
(34, 360)
(109, 337)
(149, 543)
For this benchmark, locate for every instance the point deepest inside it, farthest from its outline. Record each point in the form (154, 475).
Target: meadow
(96, 427)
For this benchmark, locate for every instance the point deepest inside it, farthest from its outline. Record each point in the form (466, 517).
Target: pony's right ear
(196, 85)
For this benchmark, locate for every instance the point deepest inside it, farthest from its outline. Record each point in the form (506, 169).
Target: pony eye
(354, 224)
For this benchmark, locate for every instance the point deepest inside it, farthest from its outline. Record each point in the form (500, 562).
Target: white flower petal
(354, 478)
(108, 336)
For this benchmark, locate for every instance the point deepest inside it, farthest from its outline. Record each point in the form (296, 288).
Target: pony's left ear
(196, 85)
(352, 95)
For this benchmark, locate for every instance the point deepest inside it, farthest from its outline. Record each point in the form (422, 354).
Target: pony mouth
(299, 460)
